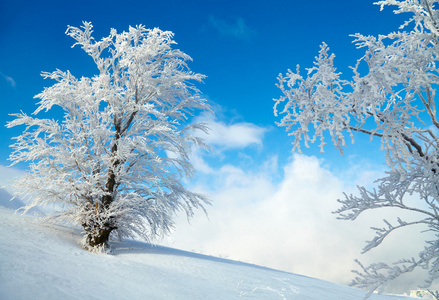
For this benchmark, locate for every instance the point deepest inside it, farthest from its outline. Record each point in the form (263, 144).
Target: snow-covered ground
(39, 261)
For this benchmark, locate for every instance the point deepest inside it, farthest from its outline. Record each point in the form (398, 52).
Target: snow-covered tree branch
(116, 161)
(391, 96)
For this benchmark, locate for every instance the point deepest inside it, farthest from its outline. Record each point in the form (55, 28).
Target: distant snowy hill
(7, 202)
(45, 262)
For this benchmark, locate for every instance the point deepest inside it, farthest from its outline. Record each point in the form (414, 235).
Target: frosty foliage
(116, 161)
(391, 96)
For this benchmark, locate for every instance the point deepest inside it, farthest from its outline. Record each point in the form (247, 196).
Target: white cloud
(237, 28)
(231, 136)
(8, 79)
(289, 225)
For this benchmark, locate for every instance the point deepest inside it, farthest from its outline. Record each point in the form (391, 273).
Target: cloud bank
(288, 224)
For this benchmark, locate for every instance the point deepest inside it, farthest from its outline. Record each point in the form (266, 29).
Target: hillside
(45, 262)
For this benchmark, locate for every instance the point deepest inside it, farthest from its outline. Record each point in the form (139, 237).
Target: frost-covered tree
(392, 97)
(115, 162)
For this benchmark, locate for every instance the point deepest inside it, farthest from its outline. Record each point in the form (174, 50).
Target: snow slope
(40, 261)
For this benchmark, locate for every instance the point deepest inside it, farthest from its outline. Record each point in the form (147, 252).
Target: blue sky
(241, 46)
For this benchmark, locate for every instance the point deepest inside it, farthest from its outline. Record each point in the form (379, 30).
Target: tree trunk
(97, 233)
(100, 238)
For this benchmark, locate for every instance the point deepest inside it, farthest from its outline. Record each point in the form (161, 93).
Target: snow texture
(46, 262)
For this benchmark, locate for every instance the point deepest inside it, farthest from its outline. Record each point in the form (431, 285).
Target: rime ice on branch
(393, 100)
(115, 162)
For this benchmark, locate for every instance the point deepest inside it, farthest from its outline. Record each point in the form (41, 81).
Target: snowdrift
(40, 261)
